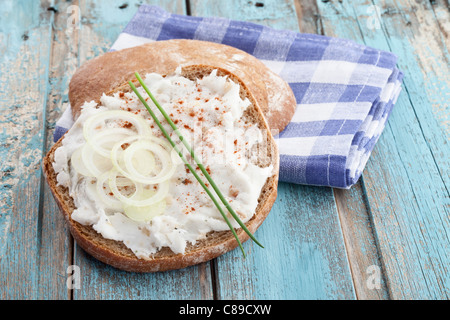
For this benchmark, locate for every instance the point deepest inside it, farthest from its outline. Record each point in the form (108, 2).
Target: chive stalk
(197, 161)
(183, 158)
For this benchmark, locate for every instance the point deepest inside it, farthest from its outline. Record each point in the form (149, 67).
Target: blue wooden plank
(305, 255)
(99, 281)
(406, 179)
(56, 249)
(274, 13)
(25, 34)
(419, 129)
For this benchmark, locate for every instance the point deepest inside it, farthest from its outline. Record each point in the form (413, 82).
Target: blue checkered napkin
(344, 91)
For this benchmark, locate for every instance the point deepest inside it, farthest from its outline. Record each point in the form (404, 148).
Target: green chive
(158, 123)
(197, 161)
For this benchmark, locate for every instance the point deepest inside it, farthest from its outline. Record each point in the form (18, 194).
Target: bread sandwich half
(108, 71)
(128, 199)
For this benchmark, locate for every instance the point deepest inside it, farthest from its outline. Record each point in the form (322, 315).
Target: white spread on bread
(208, 113)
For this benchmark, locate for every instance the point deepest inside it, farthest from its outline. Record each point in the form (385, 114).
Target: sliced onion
(110, 201)
(100, 140)
(145, 165)
(146, 213)
(95, 124)
(142, 143)
(144, 162)
(167, 170)
(94, 163)
(100, 118)
(160, 194)
(78, 163)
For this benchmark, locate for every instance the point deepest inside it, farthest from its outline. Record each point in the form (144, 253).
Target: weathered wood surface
(320, 243)
(406, 181)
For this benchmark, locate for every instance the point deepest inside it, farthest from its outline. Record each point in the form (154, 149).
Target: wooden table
(385, 238)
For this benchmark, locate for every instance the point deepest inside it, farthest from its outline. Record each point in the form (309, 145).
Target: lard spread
(129, 186)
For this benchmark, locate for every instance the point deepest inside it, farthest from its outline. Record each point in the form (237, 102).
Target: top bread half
(216, 243)
(108, 71)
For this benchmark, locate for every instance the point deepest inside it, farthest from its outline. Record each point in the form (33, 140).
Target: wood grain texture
(56, 253)
(304, 255)
(360, 242)
(24, 63)
(406, 191)
(274, 13)
(308, 16)
(354, 217)
(100, 281)
(441, 9)
(339, 20)
(412, 219)
(304, 262)
(319, 242)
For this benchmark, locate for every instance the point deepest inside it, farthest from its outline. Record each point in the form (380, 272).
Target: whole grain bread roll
(216, 243)
(106, 72)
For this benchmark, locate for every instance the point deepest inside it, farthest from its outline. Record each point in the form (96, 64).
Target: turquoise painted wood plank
(25, 36)
(101, 23)
(406, 191)
(99, 281)
(442, 15)
(56, 250)
(305, 256)
(308, 17)
(420, 131)
(361, 244)
(274, 13)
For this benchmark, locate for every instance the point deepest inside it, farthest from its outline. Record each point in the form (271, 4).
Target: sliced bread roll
(106, 72)
(210, 245)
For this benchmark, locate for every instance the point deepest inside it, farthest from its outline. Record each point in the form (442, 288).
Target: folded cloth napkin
(344, 91)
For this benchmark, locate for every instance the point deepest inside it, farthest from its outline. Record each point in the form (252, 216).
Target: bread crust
(108, 71)
(118, 255)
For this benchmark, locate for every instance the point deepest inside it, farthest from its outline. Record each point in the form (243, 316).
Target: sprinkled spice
(233, 192)
(127, 124)
(187, 181)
